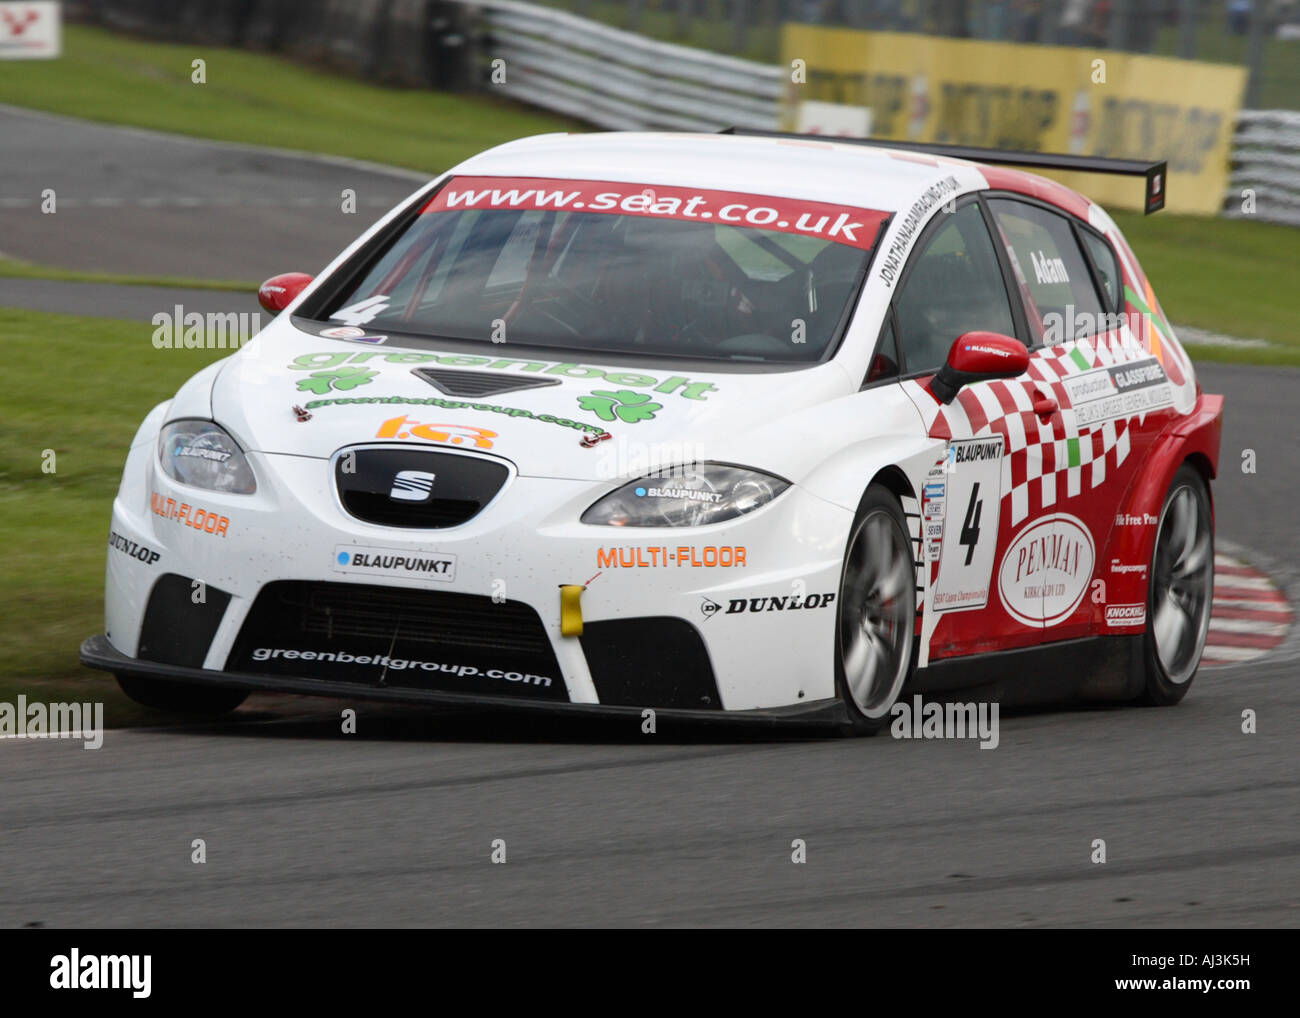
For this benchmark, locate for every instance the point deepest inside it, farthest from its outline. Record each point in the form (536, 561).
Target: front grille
(336, 611)
(478, 383)
(385, 636)
(374, 485)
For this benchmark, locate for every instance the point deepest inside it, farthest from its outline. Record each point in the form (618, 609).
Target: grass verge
(79, 387)
(260, 99)
(1230, 276)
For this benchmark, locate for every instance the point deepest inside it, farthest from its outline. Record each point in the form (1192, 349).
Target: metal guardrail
(1266, 162)
(623, 81)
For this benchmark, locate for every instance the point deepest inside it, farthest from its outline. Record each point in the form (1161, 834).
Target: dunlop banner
(1031, 98)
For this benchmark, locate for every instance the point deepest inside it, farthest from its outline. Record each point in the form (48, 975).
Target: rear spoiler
(1152, 172)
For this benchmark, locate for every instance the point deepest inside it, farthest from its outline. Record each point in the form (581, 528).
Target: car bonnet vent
(478, 383)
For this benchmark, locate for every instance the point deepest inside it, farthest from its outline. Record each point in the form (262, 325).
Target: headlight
(202, 454)
(686, 497)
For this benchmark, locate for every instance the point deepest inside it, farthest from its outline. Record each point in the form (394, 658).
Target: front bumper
(643, 615)
(98, 652)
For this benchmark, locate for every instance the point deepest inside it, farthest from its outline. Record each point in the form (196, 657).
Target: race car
(746, 426)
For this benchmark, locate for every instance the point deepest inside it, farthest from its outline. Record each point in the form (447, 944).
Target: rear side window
(1107, 267)
(1061, 302)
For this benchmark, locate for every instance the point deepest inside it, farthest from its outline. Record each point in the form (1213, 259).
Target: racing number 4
(970, 527)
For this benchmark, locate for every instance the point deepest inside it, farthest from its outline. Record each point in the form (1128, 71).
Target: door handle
(1044, 405)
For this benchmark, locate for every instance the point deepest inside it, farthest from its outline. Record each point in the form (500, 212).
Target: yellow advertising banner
(1030, 98)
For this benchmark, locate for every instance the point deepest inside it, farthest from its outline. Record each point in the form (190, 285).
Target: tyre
(877, 612)
(181, 697)
(1180, 592)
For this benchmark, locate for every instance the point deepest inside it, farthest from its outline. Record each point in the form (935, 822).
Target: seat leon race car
(757, 426)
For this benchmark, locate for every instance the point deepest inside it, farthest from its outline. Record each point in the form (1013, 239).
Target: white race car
(761, 427)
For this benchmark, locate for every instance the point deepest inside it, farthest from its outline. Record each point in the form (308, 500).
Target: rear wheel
(877, 611)
(181, 697)
(1181, 589)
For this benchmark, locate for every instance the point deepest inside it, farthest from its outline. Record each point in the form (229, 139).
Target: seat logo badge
(412, 486)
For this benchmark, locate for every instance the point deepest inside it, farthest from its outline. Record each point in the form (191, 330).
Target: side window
(1060, 300)
(953, 285)
(1107, 267)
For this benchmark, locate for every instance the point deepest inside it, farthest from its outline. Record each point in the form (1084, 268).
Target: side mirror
(278, 292)
(977, 357)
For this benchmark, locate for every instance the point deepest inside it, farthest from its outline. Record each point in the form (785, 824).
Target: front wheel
(877, 613)
(181, 697)
(1180, 593)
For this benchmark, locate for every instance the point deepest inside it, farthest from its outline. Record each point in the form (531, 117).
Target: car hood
(532, 409)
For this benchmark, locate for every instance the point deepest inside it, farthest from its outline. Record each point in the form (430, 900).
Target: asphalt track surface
(142, 203)
(605, 826)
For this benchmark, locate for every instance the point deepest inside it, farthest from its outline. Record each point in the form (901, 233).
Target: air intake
(479, 383)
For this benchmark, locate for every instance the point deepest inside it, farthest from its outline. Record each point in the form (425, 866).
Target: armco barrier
(1265, 181)
(621, 80)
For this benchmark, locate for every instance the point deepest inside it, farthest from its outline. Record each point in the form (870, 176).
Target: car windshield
(618, 268)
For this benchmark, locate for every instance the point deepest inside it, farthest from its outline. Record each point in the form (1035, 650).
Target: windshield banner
(843, 224)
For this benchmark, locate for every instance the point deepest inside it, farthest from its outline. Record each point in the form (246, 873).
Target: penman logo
(1046, 569)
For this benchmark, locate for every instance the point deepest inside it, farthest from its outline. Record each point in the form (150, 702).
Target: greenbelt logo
(321, 382)
(345, 371)
(622, 405)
